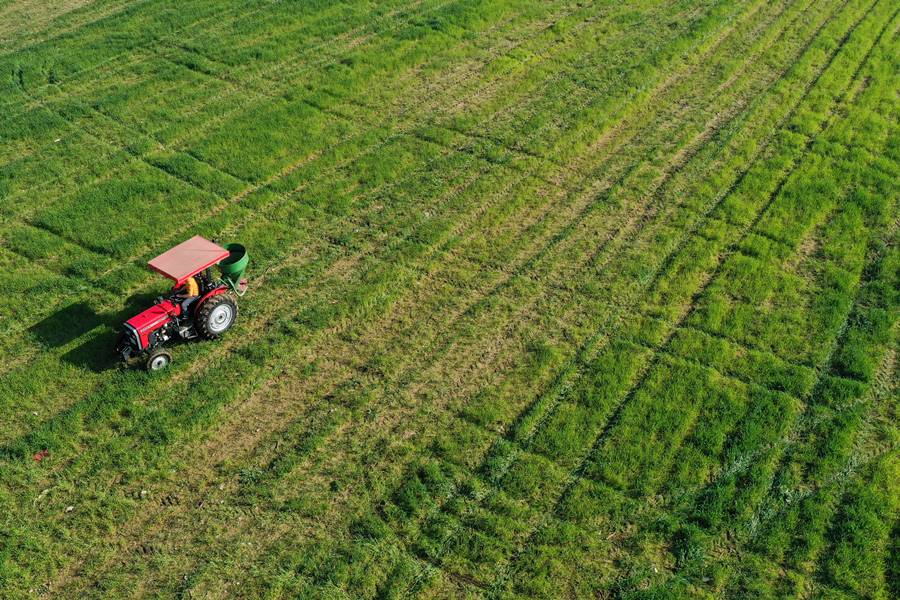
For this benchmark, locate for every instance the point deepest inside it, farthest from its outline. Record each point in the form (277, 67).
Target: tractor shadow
(72, 322)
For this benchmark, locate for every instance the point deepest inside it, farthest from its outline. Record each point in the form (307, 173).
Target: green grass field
(549, 299)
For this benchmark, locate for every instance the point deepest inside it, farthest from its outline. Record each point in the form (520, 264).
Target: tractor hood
(154, 316)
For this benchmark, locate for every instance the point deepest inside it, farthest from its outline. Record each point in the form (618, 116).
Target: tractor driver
(188, 292)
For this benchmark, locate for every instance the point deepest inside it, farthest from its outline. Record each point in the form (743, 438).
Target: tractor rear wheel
(216, 316)
(158, 360)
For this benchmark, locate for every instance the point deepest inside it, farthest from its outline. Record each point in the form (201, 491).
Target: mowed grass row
(263, 199)
(162, 430)
(726, 407)
(142, 274)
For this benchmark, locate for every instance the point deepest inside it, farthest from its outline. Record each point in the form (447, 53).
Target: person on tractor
(188, 292)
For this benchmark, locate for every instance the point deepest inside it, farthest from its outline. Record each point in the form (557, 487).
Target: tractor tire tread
(206, 309)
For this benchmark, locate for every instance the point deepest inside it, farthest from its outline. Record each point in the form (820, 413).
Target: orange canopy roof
(188, 258)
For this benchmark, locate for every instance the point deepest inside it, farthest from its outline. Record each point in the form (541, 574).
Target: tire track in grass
(224, 116)
(776, 502)
(865, 452)
(742, 375)
(239, 106)
(868, 446)
(290, 169)
(791, 580)
(238, 444)
(40, 18)
(287, 171)
(738, 181)
(578, 472)
(804, 419)
(264, 87)
(684, 356)
(220, 23)
(217, 17)
(185, 376)
(687, 497)
(509, 48)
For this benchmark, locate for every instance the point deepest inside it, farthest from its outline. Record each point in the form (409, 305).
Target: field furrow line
(108, 64)
(774, 501)
(868, 446)
(38, 23)
(598, 190)
(59, 19)
(823, 369)
(288, 197)
(617, 411)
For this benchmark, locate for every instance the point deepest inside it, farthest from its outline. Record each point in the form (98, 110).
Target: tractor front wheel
(158, 360)
(216, 316)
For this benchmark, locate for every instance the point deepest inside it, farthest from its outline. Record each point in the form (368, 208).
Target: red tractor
(199, 305)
